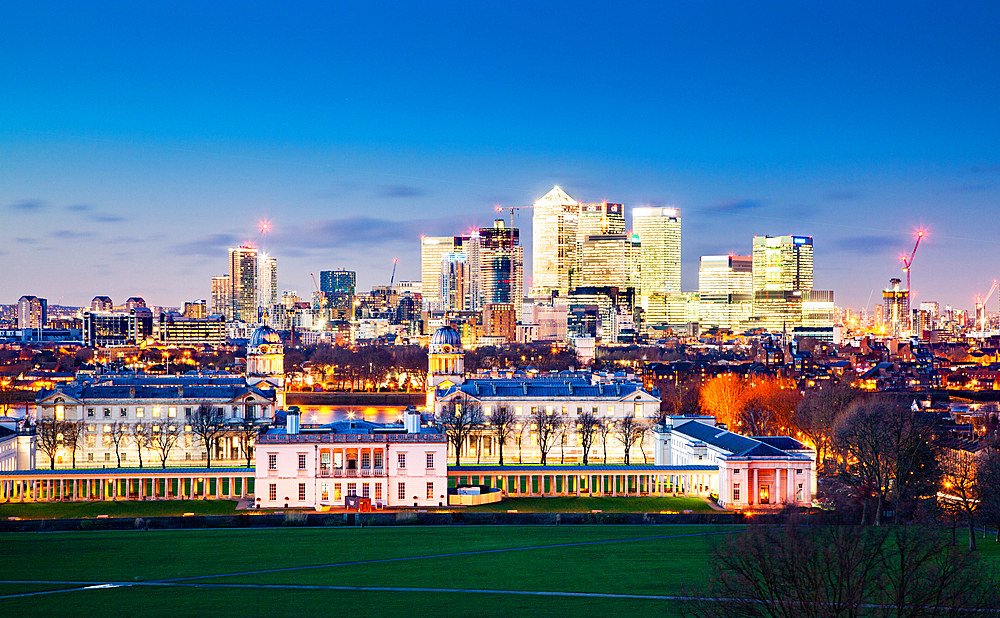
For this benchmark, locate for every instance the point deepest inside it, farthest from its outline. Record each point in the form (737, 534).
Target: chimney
(292, 421)
(411, 420)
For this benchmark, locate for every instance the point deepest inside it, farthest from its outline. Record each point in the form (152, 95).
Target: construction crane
(512, 209)
(908, 261)
(392, 279)
(322, 296)
(981, 307)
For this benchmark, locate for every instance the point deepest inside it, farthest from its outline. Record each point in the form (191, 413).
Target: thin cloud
(28, 205)
(333, 233)
(107, 218)
(26, 241)
(70, 234)
(80, 207)
(212, 244)
(735, 207)
(396, 191)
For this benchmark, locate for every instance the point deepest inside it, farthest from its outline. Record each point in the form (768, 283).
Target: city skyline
(778, 120)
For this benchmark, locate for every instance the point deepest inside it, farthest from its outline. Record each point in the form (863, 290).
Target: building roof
(733, 443)
(546, 389)
(446, 335)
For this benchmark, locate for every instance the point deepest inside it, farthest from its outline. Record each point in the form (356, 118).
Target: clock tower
(445, 361)
(266, 361)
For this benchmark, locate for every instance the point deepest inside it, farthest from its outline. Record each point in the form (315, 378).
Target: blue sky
(138, 142)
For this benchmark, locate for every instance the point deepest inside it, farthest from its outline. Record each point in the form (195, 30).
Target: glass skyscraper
(725, 290)
(659, 232)
(243, 284)
(554, 243)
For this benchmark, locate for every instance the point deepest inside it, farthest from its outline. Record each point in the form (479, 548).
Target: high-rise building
(897, 309)
(554, 243)
(501, 267)
(782, 272)
(32, 312)
(221, 304)
(196, 309)
(135, 302)
(499, 321)
(339, 289)
(102, 303)
(433, 250)
(600, 218)
(659, 232)
(611, 260)
(725, 291)
(454, 283)
(267, 283)
(243, 284)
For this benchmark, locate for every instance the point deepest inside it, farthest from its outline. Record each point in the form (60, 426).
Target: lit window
(798, 492)
(517, 410)
(378, 491)
(401, 492)
(272, 492)
(611, 410)
(272, 461)
(156, 412)
(336, 492)
(430, 491)
(324, 491)
(172, 412)
(302, 492)
(401, 460)
(430, 460)
(140, 412)
(488, 410)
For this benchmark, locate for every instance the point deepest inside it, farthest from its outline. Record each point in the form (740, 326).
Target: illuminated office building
(338, 287)
(454, 283)
(501, 267)
(782, 281)
(659, 232)
(243, 284)
(600, 218)
(725, 291)
(433, 250)
(611, 260)
(555, 222)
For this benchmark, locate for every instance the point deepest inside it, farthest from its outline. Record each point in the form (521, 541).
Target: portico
(126, 484)
(587, 481)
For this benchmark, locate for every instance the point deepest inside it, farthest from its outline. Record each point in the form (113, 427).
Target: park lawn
(623, 504)
(161, 554)
(121, 508)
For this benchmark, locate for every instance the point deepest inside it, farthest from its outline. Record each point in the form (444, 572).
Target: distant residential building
(102, 303)
(135, 302)
(189, 330)
(499, 321)
(221, 304)
(32, 312)
(243, 271)
(267, 284)
(196, 309)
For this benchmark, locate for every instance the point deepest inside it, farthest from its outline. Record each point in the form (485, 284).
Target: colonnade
(538, 481)
(51, 486)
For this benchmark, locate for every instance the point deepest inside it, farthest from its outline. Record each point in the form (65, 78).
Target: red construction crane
(908, 261)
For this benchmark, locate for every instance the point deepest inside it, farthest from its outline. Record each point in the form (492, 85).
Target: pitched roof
(737, 445)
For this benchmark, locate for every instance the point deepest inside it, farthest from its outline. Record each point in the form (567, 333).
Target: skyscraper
(725, 290)
(659, 232)
(554, 243)
(267, 283)
(454, 283)
(611, 260)
(243, 284)
(433, 250)
(501, 266)
(782, 280)
(600, 218)
(220, 297)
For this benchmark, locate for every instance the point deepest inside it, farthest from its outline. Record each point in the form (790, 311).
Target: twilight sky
(139, 140)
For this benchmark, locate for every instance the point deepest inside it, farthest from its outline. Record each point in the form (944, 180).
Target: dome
(263, 336)
(446, 335)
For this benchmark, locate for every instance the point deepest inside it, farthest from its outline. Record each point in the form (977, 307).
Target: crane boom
(393, 277)
(907, 262)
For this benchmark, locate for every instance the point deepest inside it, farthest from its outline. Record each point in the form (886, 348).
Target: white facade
(315, 467)
(763, 472)
(17, 448)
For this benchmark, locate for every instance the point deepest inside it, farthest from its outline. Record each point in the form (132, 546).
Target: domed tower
(266, 360)
(445, 361)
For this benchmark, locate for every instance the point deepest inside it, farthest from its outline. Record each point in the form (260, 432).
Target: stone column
(754, 489)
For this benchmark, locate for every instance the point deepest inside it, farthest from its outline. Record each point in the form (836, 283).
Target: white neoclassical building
(392, 465)
(760, 472)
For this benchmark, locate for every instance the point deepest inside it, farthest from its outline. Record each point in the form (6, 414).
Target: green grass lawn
(129, 508)
(605, 504)
(650, 566)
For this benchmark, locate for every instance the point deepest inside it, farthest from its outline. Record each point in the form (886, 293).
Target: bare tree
(546, 427)
(163, 439)
(142, 435)
(563, 431)
(817, 414)
(119, 437)
(73, 432)
(208, 424)
(247, 431)
(587, 427)
(605, 430)
(989, 488)
(845, 571)
(645, 430)
(960, 488)
(502, 423)
(628, 430)
(48, 438)
(460, 420)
